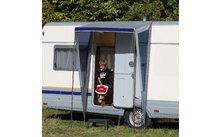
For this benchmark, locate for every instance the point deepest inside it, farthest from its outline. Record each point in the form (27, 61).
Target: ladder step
(106, 122)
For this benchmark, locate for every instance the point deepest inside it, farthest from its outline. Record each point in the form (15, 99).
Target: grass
(57, 123)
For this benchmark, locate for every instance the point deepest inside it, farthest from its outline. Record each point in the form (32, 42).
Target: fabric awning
(123, 27)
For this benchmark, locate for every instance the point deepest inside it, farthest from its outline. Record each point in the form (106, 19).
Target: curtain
(65, 59)
(108, 54)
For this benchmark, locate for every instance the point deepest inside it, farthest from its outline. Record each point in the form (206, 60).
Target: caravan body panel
(164, 63)
(163, 81)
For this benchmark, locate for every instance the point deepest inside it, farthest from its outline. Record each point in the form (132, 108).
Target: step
(106, 122)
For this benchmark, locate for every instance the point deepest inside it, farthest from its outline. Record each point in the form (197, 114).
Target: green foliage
(172, 10)
(49, 14)
(109, 10)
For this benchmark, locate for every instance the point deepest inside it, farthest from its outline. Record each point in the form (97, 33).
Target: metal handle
(131, 63)
(133, 75)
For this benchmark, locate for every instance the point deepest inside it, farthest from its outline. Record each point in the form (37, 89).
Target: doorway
(104, 50)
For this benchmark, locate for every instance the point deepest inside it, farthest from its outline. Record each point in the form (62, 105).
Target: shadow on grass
(79, 117)
(165, 125)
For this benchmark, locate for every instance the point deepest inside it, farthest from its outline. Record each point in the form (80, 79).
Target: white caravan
(143, 55)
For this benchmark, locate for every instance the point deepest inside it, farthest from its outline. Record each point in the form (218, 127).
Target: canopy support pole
(145, 91)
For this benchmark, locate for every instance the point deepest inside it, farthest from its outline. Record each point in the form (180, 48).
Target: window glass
(65, 58)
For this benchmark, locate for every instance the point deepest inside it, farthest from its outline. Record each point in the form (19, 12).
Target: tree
(49, 14)
(171, 11)
(109, 10)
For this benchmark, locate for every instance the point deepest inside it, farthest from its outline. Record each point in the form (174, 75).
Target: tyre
(135, 118)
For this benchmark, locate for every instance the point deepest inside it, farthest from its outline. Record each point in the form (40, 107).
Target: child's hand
(99, 80)
(102, 75)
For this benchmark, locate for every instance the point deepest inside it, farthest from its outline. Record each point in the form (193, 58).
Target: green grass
(57, 127)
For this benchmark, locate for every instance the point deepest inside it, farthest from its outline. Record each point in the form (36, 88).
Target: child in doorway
(103, 78)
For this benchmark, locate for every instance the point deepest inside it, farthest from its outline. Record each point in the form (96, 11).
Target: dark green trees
(109, 10)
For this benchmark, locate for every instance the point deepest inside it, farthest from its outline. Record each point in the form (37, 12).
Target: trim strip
(103, 29)
(63, 92)
(57, 87)
(161, 43)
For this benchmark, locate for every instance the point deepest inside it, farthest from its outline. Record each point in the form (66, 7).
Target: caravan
(142, 55)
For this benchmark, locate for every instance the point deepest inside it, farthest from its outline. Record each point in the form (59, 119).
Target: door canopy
(123, 27)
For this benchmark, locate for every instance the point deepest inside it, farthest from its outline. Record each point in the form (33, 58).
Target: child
(103, 78)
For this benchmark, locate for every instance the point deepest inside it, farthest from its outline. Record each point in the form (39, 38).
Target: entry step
(106, 122)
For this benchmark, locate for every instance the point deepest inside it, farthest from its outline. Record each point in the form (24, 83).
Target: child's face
(101, 67)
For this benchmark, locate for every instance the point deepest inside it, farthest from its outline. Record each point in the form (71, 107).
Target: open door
(104, 50)
(124, 70)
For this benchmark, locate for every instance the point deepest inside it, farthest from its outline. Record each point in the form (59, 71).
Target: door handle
(131, 63)
(133, 75)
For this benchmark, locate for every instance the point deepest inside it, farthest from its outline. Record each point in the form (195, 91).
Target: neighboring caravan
(143, 55)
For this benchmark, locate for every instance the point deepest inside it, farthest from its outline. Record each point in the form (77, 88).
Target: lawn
(57, 123)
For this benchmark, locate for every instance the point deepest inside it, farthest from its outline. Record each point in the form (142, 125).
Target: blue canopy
(123, 27)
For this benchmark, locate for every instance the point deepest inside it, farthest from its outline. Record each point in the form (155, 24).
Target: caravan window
(65, 57)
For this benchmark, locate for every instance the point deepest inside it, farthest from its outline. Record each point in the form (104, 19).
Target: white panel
(164, 73)
(55, 78)
(122, 63)
(92, 69)
(138, 79)
(60, 31)
(165, 34)
(125, 94)
(123, 81)
(58, 34)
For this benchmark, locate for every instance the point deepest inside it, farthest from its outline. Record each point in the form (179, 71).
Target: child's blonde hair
(103, 62)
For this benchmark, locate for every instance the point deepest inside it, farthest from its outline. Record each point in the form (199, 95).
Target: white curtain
(108, 54)
(65, 59)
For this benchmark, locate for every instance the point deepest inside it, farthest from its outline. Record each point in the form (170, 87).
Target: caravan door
(124, 71)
